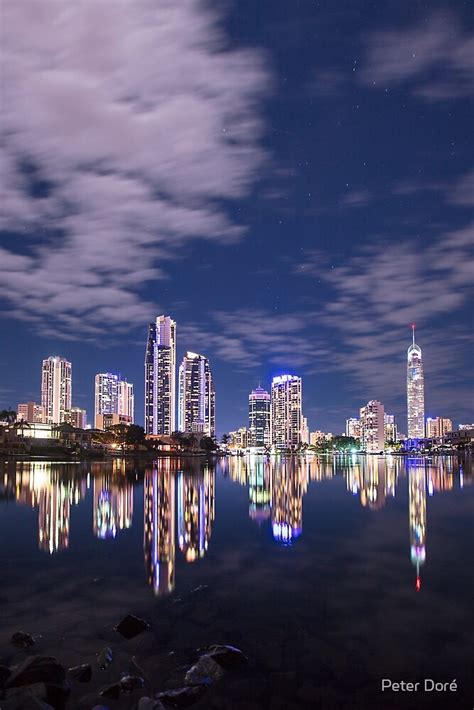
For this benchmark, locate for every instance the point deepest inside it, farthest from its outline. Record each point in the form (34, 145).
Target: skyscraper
(259, 417)
(197, 399)
(353, 427)
(415, 391)
(160, 377)
(286, 414)
(112, 396)
(439, 426)
(391, 432)
(372, 427)
(56, 388)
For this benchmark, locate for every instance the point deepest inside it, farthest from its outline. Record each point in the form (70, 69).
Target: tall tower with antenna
(415, 390)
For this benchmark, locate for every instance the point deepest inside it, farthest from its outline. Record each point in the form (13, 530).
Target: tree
(225, 438)
(135, 435)
(208, 444)
(8, 416)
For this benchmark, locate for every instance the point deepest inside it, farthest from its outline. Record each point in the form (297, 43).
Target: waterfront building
(56, 388)
(30, 412)
(160, 377)
(304, 430)
(372, 427)
(390, 427)
(316, 438)
(240, 439)
(465, 427)
(353, 427)
(113, 396)
(197, 399)
(259, 417)
(77, 417)
(415, 391)
(438, 426)
(106, 421)
(286, 411)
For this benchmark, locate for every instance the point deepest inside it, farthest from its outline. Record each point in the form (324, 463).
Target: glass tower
(415, 391)
(160, 377)
(197, 398)
(259, 417)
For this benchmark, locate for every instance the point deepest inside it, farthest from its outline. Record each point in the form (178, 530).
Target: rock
(22, 640)
(36, 669)
(5, 673)
(129, 683)
(25, 699)
(104, 658)
(228, 657)
(150, 704)
(131, 626)
(309, 694)
(182, 697)
(82, 674)
(58, 693)
(205, 672)
(111, 691)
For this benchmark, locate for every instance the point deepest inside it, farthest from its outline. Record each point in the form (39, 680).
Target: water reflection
(179, 499)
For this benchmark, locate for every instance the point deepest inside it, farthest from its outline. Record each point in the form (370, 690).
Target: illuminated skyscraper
(259, 417)
(159, 528)
(286, 414)
(197, 398)
(56, 389)
(372, 427)
(160, 377)
(353, 427)
(415, 391)
(390, 425)
(112, 396)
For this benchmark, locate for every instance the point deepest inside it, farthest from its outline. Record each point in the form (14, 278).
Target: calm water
(329, 575)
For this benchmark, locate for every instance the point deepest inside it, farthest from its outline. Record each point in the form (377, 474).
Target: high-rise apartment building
(286, 411)
(112, 396)
(438, 426)
(353, 427)
(259, 417)
(415, 391)
(160, 377)
(56, 388)
(30, 412)
(77, 417)
(197, 398)
(372, 427)
(390, 426)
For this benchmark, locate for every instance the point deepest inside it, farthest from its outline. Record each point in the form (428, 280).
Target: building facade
(113, 396)
(438, 426)
(160, 377)
(30, 412)
(372, 427)
(415, 391)
(56, 389)
(197, 399)
(259, 417)
(77, 417)
(390, 425)
(286, 411)
(353, 427)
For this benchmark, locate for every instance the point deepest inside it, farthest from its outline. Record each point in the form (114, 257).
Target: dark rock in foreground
(22, 640)
(205, 672)
(36, 669)
(228, 657)
(111, 691)
(150, 704)
(182, 697)
(82, 674)
(131, 626)
(104, 658)
(129, 683)
(5, 673)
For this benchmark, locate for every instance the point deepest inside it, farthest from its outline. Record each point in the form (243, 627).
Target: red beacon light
(418, 584)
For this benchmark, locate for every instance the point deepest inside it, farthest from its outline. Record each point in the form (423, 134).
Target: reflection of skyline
(159, 527)
(179, 499)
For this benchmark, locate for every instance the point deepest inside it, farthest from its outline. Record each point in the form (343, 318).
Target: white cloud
(137, 121)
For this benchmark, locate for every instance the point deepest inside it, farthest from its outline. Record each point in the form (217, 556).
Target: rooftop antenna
(413, 326)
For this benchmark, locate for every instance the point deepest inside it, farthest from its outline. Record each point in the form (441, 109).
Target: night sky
(291, 181)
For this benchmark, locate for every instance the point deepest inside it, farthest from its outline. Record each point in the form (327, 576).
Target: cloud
(434, 59)
(127, 127)
(356, 198)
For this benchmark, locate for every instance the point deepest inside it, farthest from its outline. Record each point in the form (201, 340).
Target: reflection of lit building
(197, 398)
(290, 481)
(30, 412)
(55, 389)
(438, 426)
(372, 427)
(160, 377)
(159, 528)
(196, 509)
(260, 489)
(286, 414)
(417, 506)
(113, 507)
(415, 391)
(259, 417)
